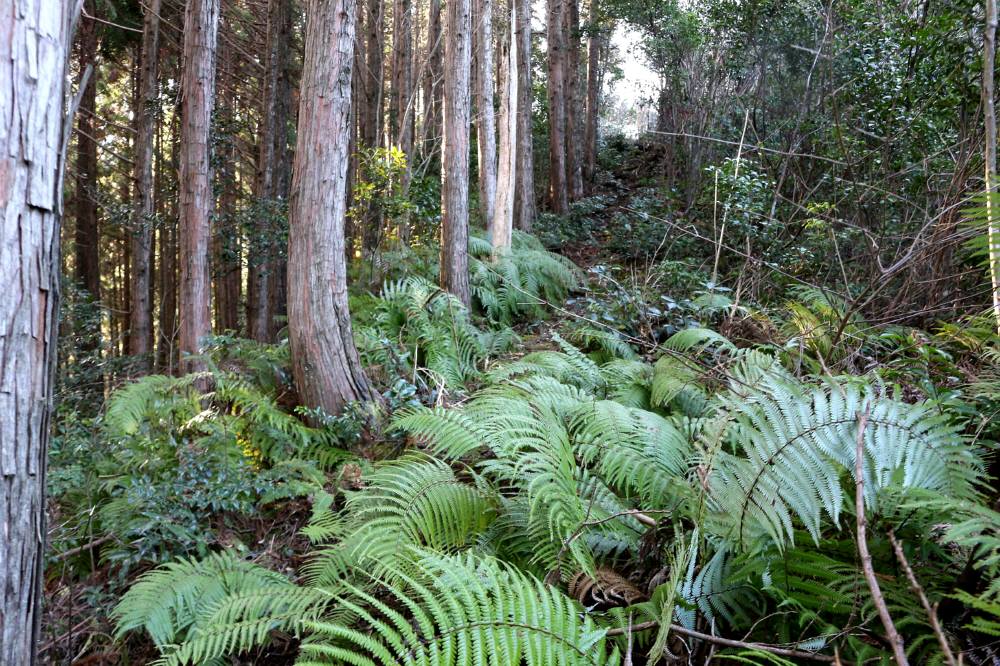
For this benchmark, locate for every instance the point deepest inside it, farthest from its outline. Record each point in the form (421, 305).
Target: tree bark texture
(33, 55)
(455, 152)
(143, 218)
(524, 204)
(593, 94)
(555, 26)
(201, 22)
(325, 362)
(503, 221)
(574, 120)
(989, 113)
(486, 123)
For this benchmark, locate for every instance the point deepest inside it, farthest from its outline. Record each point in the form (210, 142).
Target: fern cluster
(563, 467)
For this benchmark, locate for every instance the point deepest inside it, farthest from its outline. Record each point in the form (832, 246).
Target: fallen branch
(726, 642)
(66, 554)
(895, 640)
(932, 616)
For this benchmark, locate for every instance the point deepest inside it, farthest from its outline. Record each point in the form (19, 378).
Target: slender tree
(593, 95)
(201, 23)
(264, 265)
(524, 199)
(33, 53)
(433, 79)
(325, 363)
(227, 270)
(87, 239)
(141, 240)
(989, 111)
(372, 126)
(574, 116)
(555, 26)
(401, 109)
(503, 220)
(455, 152)
(486, 124)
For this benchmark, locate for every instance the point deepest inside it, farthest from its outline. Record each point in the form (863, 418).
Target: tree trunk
(141, 240)
(371, 132)
(371, 118)
(87, 240)
(402, 108)
(226, 251)
(555, 26)
(989, 111)
(325, 363)
(455, 152)
(167, 351)
(593, 95)
(503, 221)
(433, 80)
(33, 55)
(201, 22)
(402, 111)
(272, 184)
(524, 199)
(486, 124)
(574, 128)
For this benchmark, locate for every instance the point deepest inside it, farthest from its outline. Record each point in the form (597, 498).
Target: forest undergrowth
(644, 454)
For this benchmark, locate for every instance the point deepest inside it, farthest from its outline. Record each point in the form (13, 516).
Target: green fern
(794, 443)
(415, 500)
(460, 610)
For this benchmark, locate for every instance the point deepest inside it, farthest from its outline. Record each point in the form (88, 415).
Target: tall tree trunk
(593, 96)
(141, 240)
(264, 261)
(402, 108)
(524, 199)
(486, 130)
(373, 71)
(455, 152)
(167, 345)
(574, 127)
(433, 79)
(371, 119)
(87, 240)
(325, 363)
(33, 54)
(201, 23)
(226, 251)
(503, 221)
(555, 26)
(989, 111)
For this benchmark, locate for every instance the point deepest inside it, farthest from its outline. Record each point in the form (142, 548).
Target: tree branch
(866, 559)
(725, 642)
(932, 616)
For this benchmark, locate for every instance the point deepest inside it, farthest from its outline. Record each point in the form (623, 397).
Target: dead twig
(66, 554)
(931, 610)
(725, 642)
(895, 640)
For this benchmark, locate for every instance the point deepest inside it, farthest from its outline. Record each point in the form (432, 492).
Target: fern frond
(465, 610)
(797, 442)
(167, 601)
(415, 500)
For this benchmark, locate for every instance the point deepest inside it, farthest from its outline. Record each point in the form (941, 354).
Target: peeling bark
(33, 55)
(325, 362)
